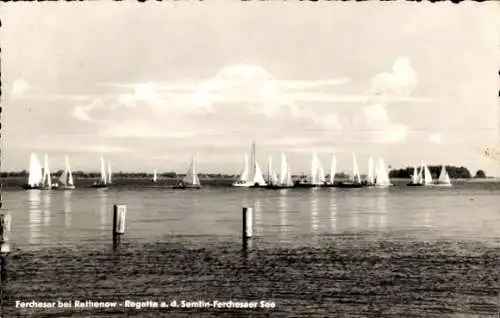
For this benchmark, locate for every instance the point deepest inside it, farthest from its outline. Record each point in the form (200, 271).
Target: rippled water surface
(423, 252)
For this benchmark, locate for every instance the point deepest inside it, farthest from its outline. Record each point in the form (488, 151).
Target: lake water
(425, 252)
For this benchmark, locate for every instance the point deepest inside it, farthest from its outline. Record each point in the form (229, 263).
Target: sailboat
(316, 176)
(444, 178)
(47, 176)
(35, 174)
(102, 183)
(285, 178)
(370, 178)
(251, 176)
(382, 179)
(155, 177)
(424, 177)
(66, 178)
(355, 180)
(333, 171)
(109, 172)
(416, 178)
(191, 179)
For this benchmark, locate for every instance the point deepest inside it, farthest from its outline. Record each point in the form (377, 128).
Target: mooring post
(4, 233)
(247, 225)
(119, 214)
(4, 245)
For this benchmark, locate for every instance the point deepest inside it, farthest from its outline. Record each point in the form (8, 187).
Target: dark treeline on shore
(454, 173)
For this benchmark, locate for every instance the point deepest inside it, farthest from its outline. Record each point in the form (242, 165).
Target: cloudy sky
(148, 85)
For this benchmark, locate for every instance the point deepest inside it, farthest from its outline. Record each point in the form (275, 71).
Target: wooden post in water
(4, 233)
(4, 246)
(119, 214)
(247, 225)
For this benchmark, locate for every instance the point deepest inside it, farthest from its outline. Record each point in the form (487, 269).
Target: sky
(149, 85)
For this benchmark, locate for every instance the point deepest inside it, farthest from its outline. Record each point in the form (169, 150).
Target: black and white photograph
(250, 158)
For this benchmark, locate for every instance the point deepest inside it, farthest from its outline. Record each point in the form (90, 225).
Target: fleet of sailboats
(40, 177)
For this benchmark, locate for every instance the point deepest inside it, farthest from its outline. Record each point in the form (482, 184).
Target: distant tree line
(453, 172)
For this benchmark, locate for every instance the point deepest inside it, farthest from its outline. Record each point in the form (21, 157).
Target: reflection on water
(35, 219)
(354, 211)
(103, 204)
(46, 208)
(333, 213)
(381, 208)
(67, 208)
(314, 212)
(258, 216)
(283, 209)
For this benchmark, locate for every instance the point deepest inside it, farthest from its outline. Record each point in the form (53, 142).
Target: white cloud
(19, 87)
(401, 81)
(81, 111)
(436, 138)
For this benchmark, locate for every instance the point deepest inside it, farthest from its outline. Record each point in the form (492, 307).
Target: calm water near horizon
(312, 249)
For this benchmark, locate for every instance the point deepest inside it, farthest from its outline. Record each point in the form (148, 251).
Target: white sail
(103, 172)
(244, 174)
(270, 170)
(47, 179)
(284, 170)
(155, 177)
(191, 177)
(68, 172)
(66, 178)
(427, 175)
(35, 171)
(355, 170)
(371, 177)
(109, 171)
(258, 178)
(289, 180)
(444, 178)
(317, 171)
(382, 175)
(314, 169)
(415, 176)
(333, 169)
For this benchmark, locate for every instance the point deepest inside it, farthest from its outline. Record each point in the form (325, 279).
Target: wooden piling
(4, 233)
(119, 214)
(247, 231)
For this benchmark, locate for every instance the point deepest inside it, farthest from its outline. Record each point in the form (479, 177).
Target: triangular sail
(258, 178)
(371, 177)
(103, 172)
(415, 176)
(317, 171)
(444, 178)
(382, 175)
(427, 175)
(66, 177)
(289, 180)
(109, 171)
(155, 177)
(244, 174)
(47, 180)
(252, 167)
(35, 171)
(284, 169)
(355, 170)
(191, 177)
(333, 169)
(270, 170)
